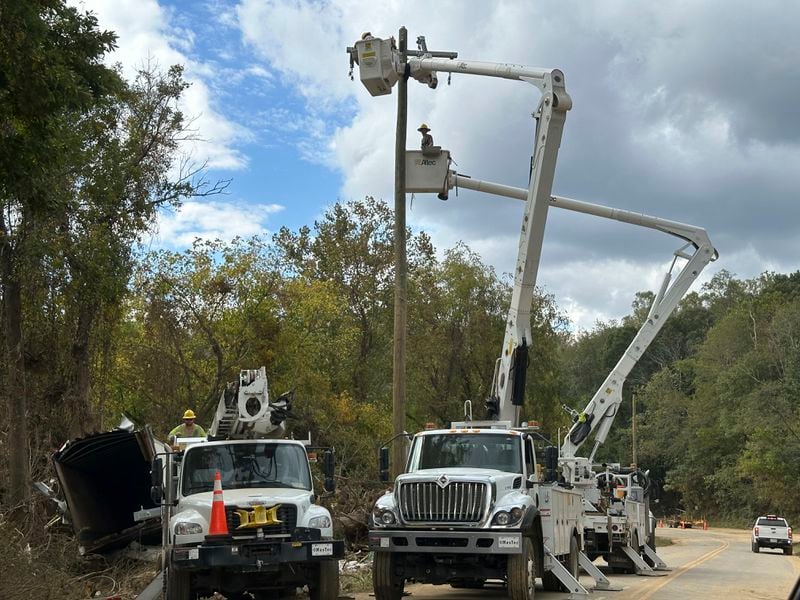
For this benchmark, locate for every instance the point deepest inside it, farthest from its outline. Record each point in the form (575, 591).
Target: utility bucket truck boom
(278, 538)
(473, 505)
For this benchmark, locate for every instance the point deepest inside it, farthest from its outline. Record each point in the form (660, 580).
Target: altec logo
(424, 162)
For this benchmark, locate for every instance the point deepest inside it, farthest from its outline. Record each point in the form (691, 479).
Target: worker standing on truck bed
(188, 428)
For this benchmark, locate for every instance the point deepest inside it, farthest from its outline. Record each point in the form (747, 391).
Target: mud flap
(552, 564)
(659, 565)
(642, 568)
(600, 580)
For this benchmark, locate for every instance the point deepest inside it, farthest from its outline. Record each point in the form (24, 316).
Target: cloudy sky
(687, 110)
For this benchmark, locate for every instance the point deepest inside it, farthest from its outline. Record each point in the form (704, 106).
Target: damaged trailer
(105, 479)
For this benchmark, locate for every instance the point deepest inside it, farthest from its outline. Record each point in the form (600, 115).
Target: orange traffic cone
(218, 524)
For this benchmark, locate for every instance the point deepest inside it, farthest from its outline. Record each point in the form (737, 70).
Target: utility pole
(400, 266)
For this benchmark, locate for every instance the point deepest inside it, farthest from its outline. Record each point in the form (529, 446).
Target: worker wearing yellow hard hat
(188, 428)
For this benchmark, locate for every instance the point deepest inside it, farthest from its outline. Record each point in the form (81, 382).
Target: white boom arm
(379, 70)
(599, 414)
(245, 411)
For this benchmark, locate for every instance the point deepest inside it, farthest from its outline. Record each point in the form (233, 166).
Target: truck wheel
(787, 551)
(521, 573)
(326, 586)
(387, 585)
(178, 584)
(754, 547)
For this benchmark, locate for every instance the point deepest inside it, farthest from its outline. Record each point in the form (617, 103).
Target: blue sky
(683, 110)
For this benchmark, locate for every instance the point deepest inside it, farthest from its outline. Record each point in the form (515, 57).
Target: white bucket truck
(473, 505)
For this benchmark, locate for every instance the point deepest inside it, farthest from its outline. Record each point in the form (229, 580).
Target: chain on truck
(261, 530)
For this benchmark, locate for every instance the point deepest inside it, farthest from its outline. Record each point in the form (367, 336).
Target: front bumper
(446, 542)
(254, 554)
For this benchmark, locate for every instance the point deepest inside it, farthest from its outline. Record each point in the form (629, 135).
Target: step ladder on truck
(239, 510)
(474, 504)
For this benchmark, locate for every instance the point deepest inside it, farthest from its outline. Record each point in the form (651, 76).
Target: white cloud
(146, 33)
(211, 220)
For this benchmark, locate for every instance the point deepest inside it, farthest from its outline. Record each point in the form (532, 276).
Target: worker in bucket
(188, 428)
(428, 149)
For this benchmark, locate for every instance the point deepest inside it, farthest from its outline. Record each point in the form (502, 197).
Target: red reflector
(755, 530)
(790, 533)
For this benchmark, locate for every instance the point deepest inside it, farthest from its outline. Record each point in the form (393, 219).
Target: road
(705, 564)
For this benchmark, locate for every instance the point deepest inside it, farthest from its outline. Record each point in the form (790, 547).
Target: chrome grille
(457, 502)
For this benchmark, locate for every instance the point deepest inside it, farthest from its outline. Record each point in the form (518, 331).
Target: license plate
(321, 549)
(384, 542)
(773, 540)
(508, 542)
(194, 554)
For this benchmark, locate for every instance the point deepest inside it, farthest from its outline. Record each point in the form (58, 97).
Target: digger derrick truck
(473, 503)
(274, 536)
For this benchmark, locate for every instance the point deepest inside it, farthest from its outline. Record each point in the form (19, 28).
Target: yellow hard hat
(189, 414)
(423, 127)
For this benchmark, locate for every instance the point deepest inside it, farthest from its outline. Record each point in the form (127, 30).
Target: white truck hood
(245, 498)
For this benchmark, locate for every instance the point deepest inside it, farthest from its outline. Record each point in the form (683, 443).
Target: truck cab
(272, 519)
(472, 507)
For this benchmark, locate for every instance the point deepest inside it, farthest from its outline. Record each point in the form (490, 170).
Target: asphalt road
(705, 564)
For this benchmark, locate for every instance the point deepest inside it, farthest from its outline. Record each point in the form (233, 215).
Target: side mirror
(383, 464)
(328, 467)
(156, 481)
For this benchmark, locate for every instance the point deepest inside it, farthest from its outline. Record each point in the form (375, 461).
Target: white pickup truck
(772, 531)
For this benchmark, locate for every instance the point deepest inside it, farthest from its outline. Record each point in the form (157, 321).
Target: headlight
(321, 522)
(186, 528)
(383, 516)
(504, 518)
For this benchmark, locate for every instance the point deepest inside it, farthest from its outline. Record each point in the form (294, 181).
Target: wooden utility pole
(400, 278)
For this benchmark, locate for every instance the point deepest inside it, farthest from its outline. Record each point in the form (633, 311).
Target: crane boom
(696, 250)
(379, 69)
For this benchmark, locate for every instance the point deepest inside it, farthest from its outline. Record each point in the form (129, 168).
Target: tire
(521, 572)
(787, 551)
(386, 584)
(178, 584)
(754, 547)
(326, 586)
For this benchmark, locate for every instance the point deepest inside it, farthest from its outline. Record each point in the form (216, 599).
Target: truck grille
(287, 515)
(457, 502)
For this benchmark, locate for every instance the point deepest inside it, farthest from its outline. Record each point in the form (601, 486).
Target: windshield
(476, 450)
(765, 522)
(256, 465)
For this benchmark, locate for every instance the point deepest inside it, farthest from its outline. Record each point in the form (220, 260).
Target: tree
(50, 76)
